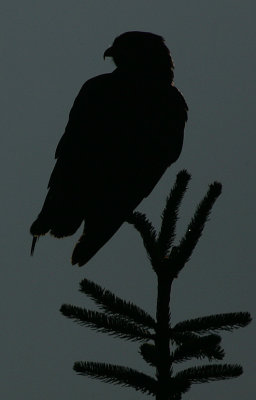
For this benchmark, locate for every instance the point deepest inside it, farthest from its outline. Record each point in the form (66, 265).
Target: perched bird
(124, 130)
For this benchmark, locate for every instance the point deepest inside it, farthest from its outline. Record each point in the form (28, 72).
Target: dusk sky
(48, 50)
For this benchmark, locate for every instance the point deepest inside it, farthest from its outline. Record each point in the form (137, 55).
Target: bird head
(141, 51)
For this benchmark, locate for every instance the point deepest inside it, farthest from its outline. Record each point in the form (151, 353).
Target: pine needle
(118, 375)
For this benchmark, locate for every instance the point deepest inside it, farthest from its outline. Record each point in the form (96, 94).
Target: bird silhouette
(124, 130)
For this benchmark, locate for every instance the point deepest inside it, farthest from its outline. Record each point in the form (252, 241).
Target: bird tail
(92, 240)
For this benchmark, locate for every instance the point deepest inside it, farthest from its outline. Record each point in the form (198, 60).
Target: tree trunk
(162, 340)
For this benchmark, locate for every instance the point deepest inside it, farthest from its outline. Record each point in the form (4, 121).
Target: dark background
(48, 50)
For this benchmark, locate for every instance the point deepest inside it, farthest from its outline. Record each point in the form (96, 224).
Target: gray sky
(49, 49)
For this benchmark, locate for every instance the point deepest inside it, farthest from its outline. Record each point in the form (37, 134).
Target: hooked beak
(108, 52)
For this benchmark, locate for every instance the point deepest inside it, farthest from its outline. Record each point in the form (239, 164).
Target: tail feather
(91, 242)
